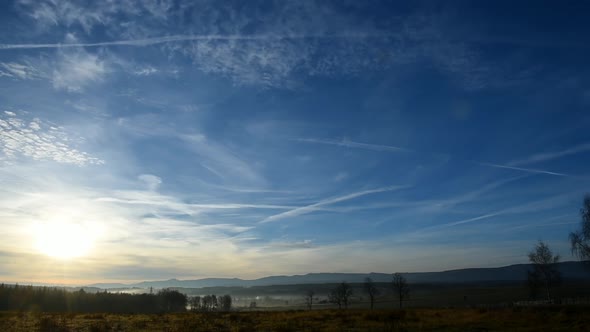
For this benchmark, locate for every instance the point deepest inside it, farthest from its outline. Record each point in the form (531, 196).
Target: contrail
(484, 216)
(316, 206)
(351, 144)
(551, 155)
(530, 170)
(550, 202)
(179, 38)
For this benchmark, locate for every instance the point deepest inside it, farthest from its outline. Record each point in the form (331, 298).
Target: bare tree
(334, 298)
(401, 288)
(209, 303)
(224, 302)
(341, 295)
(580, 240)
(309, 298)
(371, 290)
(544, 261)
(195, 303)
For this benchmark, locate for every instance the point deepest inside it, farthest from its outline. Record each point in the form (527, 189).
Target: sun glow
(64, 240)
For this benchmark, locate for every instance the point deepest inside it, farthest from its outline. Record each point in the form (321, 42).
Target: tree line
(51, 299)
(341, 295)
(210, 303)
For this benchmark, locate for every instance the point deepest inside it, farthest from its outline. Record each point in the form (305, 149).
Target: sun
(64, 240)
(66, 232)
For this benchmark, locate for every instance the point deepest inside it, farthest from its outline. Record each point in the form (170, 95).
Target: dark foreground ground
(557, 318)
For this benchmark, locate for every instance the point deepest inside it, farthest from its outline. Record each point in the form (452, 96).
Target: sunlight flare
(64, 239)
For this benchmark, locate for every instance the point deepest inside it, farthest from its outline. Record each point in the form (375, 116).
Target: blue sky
(157, 139)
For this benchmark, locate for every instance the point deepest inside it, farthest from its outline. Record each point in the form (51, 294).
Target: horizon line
(130, 283)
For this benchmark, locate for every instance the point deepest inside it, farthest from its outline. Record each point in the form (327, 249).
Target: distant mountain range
(511, 273)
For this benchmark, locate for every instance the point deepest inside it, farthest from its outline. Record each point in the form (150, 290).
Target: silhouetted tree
(209, 303)
(172, 300)
(341, 295)
(400, 287)
(580, 240)
(224, 303)
(534, 284)
(334, 298)
(195, 303)
(371, 290)
(544, 265)
(46, 299)
(309, 298)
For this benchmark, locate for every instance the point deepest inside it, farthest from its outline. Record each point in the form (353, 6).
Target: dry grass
(510, 319)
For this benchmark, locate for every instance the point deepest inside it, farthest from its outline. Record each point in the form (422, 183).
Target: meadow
(548, 318)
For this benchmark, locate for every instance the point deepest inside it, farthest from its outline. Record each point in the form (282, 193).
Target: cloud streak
(171, 204)
(19, 70)
(529, 170)
(183, 38)
(316, 206)
(551, 155)
(355, 145)
(538, 205)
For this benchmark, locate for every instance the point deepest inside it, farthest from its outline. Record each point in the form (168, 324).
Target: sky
(156, 139)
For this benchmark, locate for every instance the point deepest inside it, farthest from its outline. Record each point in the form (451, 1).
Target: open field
(484, 294)
(556, 318)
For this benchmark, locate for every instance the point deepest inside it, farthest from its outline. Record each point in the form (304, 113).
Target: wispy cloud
(71, 70)
(74, 71)
(146, 71)
(296, 37)
(52, 13)
(470, 196)
(290, 245)
(21, 71)
(341, 176)
(153, 182)
(73, 14)
(316, 206)
(249, 190)
(182, 38)
(284, 47)
(220, 160)
(551, 155)
(528, 170)
(565, 219)
(168, 203)
(356, 145)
